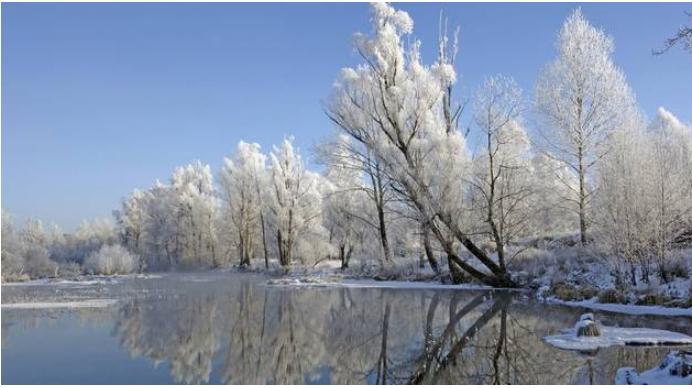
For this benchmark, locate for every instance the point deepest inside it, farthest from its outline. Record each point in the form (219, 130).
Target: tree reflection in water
(244, 333)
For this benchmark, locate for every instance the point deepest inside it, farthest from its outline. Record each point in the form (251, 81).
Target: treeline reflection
(244, 333)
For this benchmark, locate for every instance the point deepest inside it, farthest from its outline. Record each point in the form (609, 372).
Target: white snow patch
(77, 304)
(410, 285)
(627, 308)
(353, 283)
(616, 336)
(674, 370)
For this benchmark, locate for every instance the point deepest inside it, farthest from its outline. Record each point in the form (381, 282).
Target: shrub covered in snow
(570, 292)
(612, 295)
(587, 326)
(111, 260)
(676, 368)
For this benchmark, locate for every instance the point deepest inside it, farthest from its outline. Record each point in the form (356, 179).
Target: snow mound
(78, 304)
(616, 336)
(676, 368)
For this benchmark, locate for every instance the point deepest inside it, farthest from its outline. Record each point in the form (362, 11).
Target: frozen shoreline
(371, 283)
(626, 308)
(85, 280)
(323, 280)
(77, 304)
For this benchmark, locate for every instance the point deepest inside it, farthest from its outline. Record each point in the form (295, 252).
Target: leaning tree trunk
(429, 250)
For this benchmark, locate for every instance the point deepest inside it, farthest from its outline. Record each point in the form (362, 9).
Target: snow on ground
(410, 285)
(77, 304)
(616, 336)
(62, 282)
(676, 369)
(626, 308)
(84, 280)
(356, 283)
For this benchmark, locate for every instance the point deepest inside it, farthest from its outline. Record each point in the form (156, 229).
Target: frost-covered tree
(241, 184)
(366, 175)
(501, 172)
(670, 143)
(195, 209)
(582, 98)
(346, 203)
(13, 263)
(294, 202)
(159, 227)
(645, 207)
(392, 104)
(90, 236)
(130, 221)
(555, 184)
(25, 252)
(623, 203)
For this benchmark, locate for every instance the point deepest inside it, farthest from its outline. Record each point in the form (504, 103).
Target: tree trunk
(383, 233)
(264, 241)
(429, 250)
(342, 257)
(280, 245)
(499, 278)
(582, 197)
(381, 377)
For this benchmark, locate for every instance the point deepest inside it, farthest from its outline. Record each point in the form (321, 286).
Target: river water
(233, 329)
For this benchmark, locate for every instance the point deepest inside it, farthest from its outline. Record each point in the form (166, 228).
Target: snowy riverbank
(582, 288)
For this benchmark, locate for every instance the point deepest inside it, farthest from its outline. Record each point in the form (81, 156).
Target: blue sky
(98, 99)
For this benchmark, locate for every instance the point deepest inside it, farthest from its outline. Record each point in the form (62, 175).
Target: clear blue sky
(98, 99)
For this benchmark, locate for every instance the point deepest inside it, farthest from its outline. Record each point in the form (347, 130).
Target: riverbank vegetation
(571, 190)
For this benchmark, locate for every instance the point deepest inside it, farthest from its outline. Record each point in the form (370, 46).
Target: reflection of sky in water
(225, 329)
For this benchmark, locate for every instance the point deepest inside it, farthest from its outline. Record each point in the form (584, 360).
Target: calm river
(233, 329)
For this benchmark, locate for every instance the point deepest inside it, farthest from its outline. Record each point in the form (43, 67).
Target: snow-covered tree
(130, 221)
(392, 104)
(582, 98)
(160, 227)
(645, 197)
(195, 208)
(295, 203)
(501, 172)
(670, 142)
(90, 236)
(241, 184)
(348, 207)
(555, 185)
(623, 202)
(13, 263)
(353, 164)
(25, 252)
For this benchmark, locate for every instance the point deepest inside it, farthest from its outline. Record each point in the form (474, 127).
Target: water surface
(232, 329)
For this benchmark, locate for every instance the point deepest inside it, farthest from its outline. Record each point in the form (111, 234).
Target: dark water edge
(232, 329)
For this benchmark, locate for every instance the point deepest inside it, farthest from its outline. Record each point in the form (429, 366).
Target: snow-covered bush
(612, 295)
(587, 326)
(38, 263)
(69, 270)
(111, 260)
